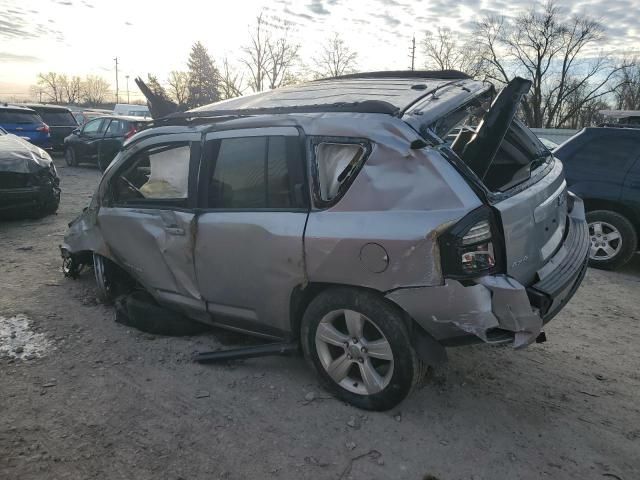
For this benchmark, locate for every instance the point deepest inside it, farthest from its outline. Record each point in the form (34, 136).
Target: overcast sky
(83, 36)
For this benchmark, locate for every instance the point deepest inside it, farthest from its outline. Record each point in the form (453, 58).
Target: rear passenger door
(253, 210)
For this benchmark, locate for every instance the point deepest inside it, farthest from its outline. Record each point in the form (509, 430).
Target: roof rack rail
(439, 74)
(620, 125)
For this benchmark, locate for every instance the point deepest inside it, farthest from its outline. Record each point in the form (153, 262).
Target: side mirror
(76, 131)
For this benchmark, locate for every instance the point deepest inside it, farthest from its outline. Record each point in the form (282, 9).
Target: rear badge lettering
(517, 263)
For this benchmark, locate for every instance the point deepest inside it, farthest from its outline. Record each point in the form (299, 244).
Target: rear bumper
(497, 308)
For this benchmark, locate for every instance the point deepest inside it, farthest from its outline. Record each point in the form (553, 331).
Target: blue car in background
(26, 123)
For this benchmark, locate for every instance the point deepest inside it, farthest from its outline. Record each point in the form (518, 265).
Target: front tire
(613, 239)
(70, 157)
(359, 345)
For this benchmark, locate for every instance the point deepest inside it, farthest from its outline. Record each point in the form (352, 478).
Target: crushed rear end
(514, 263)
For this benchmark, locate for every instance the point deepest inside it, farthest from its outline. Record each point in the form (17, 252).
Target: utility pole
(127, 77)
(116, 60)
(412, 49)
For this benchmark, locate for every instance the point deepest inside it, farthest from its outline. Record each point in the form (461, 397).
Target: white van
(131, 110)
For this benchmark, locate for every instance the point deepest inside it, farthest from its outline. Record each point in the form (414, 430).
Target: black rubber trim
(577, 246)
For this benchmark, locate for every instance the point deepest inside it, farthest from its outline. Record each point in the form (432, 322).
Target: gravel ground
(83, 397)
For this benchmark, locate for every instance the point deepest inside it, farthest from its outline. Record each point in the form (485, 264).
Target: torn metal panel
(494, 302)
(399, 200)
(449, 310)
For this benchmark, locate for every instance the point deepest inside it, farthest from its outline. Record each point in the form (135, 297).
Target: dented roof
(390, 93)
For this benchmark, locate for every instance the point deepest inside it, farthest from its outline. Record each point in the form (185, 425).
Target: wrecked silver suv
(331, 214)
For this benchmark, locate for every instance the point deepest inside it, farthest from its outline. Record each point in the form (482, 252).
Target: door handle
(174, 230)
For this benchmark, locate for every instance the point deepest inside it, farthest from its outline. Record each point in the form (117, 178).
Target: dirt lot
(83, 397)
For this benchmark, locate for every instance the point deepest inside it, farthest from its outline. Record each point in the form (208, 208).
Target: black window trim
(155, 203)
(312, 143)
(211, 149)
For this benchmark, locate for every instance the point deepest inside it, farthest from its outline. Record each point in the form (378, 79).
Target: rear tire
(70, 157)
(363, 341)
(613, 239)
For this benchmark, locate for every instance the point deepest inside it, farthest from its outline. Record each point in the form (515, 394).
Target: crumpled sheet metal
(399, 200)
(84, 235)
(19, 156)
(494, 302)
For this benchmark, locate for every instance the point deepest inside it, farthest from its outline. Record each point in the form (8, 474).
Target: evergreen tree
(155, 87)
(203, 77)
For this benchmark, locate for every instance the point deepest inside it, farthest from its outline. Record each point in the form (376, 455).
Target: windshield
(17, 116)
(58, 118)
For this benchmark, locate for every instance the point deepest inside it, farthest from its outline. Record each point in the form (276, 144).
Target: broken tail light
(471, 247)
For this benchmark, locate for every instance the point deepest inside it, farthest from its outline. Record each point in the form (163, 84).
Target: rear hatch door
(523, 182)
(20, 122)
(61, 124)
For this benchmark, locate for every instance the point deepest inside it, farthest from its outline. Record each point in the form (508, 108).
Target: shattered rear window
(336, 163)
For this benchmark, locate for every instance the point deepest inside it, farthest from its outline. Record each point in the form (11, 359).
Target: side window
(335, 164)
(257, 172)
(115, 128)
(160, 172)
(93, 126)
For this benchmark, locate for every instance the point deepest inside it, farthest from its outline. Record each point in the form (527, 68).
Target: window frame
(210, 159)
(187, 204)
(101, 122)
(312, 143)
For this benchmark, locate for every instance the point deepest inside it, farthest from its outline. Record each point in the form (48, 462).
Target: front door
(111, 142)
(148, 222)
(87, 147)
(249, 245)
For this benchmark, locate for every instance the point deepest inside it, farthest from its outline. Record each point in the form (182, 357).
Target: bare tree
(628, 91)
(179, 87)
(230, 81)
(335, 58)
(51, 85)
(282, 56)
(71, 89)
(549, 48)
(447, 50)
(94, 89)
(270, 55)
(256, 54)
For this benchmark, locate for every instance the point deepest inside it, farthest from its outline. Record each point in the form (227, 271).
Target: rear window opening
(520, 153)
(336, 164)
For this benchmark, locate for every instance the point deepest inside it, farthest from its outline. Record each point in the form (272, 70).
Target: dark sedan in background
(60, 120)
(99, 140)
(25, 123)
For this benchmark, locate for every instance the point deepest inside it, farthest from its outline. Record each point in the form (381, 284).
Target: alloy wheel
(354, 352)
(606, 241)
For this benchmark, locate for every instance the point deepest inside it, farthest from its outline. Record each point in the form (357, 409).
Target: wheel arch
(427, 347)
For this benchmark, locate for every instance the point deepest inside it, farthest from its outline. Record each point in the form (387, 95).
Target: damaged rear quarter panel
(399, 200)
